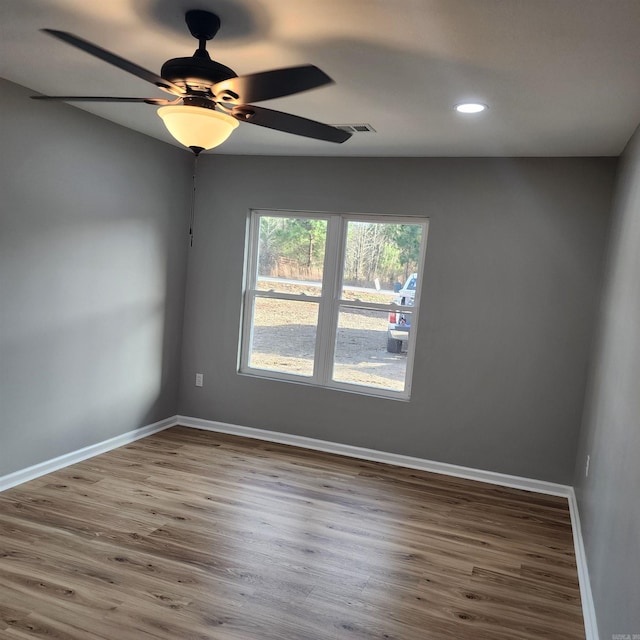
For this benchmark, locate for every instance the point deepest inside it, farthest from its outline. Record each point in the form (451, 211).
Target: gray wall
(609, 498)
(513, 273)
(93, 224)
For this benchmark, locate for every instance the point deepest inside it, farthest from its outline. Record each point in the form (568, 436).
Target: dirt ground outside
(285, 333)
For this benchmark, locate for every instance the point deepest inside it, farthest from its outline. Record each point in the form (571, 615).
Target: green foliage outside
(295, 247)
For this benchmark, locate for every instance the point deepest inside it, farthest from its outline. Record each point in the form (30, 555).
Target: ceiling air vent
(355, 128)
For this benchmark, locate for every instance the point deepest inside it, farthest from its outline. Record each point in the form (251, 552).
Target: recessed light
(470, 107)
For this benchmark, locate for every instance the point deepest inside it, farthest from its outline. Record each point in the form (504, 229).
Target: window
(332, 300)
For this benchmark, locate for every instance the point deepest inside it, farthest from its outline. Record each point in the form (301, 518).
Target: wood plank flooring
(194, 535)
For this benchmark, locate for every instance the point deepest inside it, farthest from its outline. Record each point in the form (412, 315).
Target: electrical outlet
(199, 379)
(586, 467)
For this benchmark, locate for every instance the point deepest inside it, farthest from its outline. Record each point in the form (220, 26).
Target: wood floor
(194, 535)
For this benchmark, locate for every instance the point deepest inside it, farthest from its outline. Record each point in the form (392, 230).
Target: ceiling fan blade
(266, 85)
(156, 101)
(289, 123)
(115, 60)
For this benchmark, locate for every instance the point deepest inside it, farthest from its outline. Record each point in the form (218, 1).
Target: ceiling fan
(209, 99)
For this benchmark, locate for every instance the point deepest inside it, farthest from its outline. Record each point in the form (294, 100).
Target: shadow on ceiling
(241, 20)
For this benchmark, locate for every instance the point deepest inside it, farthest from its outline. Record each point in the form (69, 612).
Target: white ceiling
(561, 77)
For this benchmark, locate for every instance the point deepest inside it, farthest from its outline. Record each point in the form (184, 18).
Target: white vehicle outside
(400, 321)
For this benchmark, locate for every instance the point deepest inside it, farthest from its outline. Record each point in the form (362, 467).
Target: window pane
(291, 254)
(380, 258)
(363, 355)
(284, 336)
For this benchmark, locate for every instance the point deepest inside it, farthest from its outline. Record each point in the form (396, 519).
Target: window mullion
(326, 332)
(281, 295)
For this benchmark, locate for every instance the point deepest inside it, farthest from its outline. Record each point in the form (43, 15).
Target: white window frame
(329, 301)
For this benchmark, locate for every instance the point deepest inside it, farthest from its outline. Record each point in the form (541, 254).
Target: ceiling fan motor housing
(197, 73)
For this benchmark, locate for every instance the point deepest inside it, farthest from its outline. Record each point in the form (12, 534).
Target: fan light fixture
(197, 127)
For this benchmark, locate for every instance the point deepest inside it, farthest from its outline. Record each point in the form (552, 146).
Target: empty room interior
(320, 320)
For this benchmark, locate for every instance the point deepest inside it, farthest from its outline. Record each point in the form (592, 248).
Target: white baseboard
(491, 477)
(504, 480)
(516, 482)
(42, 468)
(588, 607)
